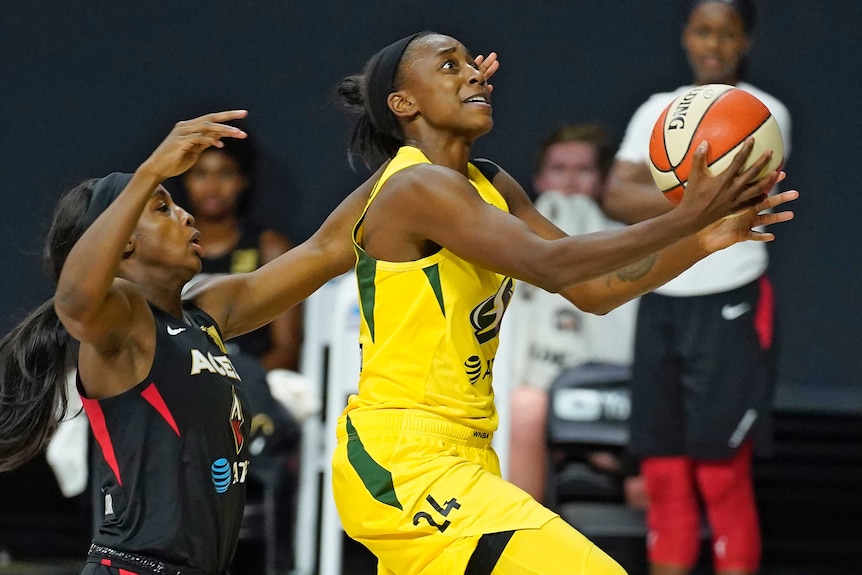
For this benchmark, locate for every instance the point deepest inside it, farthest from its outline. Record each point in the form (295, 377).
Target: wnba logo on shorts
(221, 473)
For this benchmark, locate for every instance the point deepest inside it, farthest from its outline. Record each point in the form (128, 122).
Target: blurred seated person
(570, 175)
(219, 189)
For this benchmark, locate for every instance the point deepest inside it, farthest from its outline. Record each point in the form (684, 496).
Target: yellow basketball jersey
(429, 328)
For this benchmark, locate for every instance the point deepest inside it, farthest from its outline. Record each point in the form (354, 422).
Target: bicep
(447, 211)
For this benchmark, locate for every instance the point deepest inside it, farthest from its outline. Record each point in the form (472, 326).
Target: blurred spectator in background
(571, 171)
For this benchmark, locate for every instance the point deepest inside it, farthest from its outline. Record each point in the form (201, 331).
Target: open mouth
(478, 99)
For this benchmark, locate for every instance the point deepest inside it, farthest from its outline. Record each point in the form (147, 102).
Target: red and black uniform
(174, 458)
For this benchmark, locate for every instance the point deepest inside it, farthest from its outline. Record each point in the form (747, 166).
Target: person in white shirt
(704, 358)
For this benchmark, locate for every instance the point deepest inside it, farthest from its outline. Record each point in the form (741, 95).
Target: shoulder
(198, 316)
(425, 177)
(508, 187)
(646, 114)
(499, 178)
(488, 168)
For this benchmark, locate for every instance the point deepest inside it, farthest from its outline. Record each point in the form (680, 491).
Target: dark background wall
(91, 87)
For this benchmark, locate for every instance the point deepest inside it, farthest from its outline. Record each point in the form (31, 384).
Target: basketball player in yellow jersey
(440, 239)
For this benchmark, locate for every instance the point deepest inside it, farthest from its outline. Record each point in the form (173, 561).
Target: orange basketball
(722, 115)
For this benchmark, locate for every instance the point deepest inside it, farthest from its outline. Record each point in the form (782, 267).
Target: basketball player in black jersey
(163, 398)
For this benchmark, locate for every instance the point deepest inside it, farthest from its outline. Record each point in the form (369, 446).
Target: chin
(483, 129)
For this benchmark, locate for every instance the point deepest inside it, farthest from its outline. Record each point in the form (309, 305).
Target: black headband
(105, 192)
(380, 82)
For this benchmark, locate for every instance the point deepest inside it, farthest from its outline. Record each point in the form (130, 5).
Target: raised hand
(708, 198)
(488, 66)
(182, 146)
(739, 227)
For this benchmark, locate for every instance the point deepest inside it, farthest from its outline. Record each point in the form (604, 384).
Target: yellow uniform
(414, 475)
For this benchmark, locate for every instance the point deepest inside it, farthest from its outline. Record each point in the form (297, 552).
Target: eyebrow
(447, 50)
(160, 192)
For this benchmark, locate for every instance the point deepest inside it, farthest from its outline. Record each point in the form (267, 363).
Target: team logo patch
(236, 421)
(488, 315)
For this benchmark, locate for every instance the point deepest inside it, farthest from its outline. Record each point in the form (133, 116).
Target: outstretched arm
(243, 302)
(439, 205)
(602, 294)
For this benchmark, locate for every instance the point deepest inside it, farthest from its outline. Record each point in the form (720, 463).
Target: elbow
(72, 313)
(593, 307)
(68, 307)
(599, 309)
(550, 282)
(588, 301)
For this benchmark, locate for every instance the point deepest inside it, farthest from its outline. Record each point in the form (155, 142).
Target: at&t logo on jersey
(225, 473)
(473, 368)
(476, 370)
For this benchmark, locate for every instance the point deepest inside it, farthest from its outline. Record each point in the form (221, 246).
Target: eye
(163, 207)
(449, 65)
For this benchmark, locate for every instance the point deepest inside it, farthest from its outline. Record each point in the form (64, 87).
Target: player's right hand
(182, 146)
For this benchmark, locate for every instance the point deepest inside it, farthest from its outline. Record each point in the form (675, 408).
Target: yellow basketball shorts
(425, 496)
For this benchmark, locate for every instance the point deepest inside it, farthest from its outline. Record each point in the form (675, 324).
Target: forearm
(92, 263)
(589, 257)
(601, 295)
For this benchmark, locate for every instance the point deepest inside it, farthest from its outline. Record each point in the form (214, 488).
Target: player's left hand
(739, 226)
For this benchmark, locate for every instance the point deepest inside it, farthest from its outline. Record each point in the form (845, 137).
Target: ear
(402, 104)
(129, 249)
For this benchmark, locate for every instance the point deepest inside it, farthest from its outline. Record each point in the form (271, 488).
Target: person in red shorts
(704, 358)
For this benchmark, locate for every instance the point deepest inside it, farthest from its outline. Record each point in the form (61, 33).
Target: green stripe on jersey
(433, 273)
(366, 268)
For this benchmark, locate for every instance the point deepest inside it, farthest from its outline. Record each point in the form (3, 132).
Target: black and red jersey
(174, 456)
